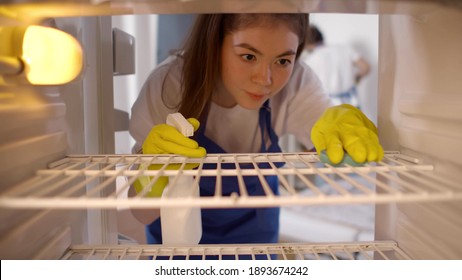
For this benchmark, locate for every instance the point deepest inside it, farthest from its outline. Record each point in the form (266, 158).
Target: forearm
(145, 216)
(363, 69)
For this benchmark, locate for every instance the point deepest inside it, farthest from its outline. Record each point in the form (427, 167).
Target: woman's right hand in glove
(166, 139)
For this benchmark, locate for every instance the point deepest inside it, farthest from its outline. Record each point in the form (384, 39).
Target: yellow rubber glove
(144, 181)
(166, 139)
(345, 128)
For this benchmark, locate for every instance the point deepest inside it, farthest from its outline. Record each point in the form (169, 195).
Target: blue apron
(240, 225)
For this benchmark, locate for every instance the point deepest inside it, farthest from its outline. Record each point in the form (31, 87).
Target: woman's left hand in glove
(344, 128)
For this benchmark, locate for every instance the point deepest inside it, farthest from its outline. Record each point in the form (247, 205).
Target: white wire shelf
(385, 250)
(83, 181)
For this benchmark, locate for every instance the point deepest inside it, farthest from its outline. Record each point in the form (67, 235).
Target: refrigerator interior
(59, 170)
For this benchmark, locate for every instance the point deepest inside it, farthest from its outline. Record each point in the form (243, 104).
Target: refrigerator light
(47, 56)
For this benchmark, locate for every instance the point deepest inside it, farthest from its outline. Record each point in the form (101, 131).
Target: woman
(240, 77)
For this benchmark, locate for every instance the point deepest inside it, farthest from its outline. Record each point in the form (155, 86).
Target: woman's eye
(248, 57)
(284, 62)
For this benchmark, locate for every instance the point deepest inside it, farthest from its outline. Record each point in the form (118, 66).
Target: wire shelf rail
(102, 181)
(385, 250)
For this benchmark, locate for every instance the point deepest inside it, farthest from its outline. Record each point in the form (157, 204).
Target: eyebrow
(249, 47)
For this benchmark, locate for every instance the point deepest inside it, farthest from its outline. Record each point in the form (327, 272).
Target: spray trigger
(179, 122)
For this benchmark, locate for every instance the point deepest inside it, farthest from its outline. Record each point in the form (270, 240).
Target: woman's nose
(262, 75)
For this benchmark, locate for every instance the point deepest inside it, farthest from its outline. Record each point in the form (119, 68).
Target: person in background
(340, 68)
(239, 82)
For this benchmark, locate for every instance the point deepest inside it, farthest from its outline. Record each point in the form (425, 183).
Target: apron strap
(264, 122)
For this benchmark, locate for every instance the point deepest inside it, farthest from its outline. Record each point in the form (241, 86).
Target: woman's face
(256, 63)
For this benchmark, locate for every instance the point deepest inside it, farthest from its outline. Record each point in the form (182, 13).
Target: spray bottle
(181, 225)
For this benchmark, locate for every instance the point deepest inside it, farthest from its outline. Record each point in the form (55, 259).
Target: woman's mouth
(256, 97)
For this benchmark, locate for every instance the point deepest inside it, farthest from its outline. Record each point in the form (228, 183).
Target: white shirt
(334, 66)
(294, 110)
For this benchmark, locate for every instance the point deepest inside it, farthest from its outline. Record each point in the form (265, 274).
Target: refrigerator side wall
(43, 124)
(420, 101)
